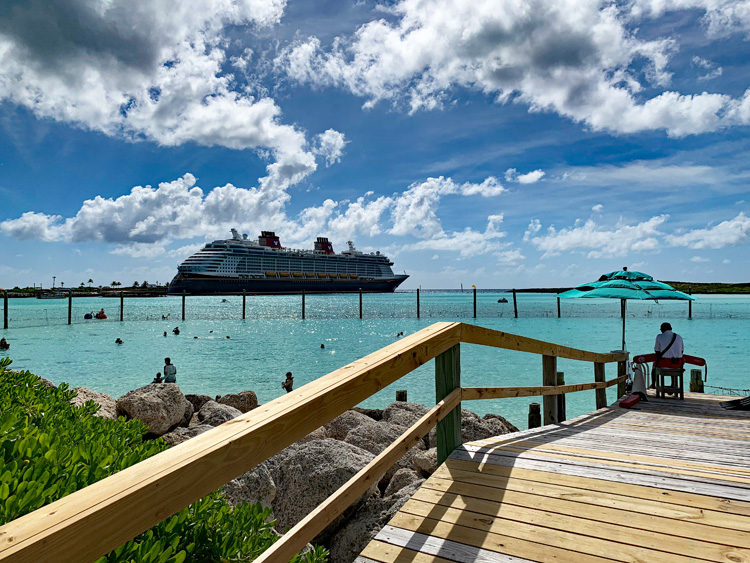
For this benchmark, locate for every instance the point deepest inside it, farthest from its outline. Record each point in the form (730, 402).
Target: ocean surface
(274, 339)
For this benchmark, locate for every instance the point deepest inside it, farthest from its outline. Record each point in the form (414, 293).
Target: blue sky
(495, 143)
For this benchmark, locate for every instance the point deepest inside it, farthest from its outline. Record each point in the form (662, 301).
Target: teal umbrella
(624, 285)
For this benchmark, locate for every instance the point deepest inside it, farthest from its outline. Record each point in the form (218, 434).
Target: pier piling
(599, 377)
(558, 307)
(549, 378)
(360, 302)
(417, 302)
(401, 395)
(690, 303)
(183, 304)
(515, 304)
(535, 416)
(244, 303)
(303, 305)
(5, 310)
(696, 381)
(122, 306)
(70, 307)
(475, 301)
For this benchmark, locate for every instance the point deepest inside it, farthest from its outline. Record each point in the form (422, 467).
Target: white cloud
(597, 208)
(468, 242)
(712, 71)
(726, 261)
(512, 175)
(699, 259)
(579, 58)
(330, 145)
(727, 233)
(154, 73)
(600, 241)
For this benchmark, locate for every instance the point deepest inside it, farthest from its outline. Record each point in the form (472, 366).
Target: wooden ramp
(668, 481)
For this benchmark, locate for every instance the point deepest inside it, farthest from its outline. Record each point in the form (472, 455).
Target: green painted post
(599, 377)
(549, 378)
(5, 310)
(122, 306)
(244, 301)
(183, 304)
(70, 307)
(448, 378)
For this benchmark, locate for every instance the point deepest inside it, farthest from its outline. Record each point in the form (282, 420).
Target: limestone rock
(215, 414)
(375, 414)
(107, 405)
(365, 523)
(404, 414)
(402, 478)
(306, 474)
(181, 434)
(317, 434)
(160, 405)
(505, 422)
(474, 428)
(425, 463)
(189, 412)
(340, 426)
(244, 401)
(197, 400)
(253, 486)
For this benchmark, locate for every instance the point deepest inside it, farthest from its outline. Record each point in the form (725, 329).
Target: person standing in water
(170, 371)
(289, 382)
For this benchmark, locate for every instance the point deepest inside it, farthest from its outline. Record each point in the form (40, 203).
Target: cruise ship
(263, 266)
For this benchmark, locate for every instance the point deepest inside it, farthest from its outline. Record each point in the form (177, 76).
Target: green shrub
(49, 449)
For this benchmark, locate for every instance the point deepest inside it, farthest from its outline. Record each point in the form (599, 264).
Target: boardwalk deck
(668, 481)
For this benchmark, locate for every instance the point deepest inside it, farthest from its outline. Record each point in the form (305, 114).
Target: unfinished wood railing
(93, 521)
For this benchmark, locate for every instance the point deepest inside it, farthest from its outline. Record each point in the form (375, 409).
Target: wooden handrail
(477, 393)
(118, 508)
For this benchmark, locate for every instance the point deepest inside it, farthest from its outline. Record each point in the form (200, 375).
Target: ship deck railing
(91, 522)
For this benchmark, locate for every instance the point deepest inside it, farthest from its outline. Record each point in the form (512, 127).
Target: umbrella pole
(623, 307)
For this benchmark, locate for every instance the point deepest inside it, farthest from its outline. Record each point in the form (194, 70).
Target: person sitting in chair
(669, 349)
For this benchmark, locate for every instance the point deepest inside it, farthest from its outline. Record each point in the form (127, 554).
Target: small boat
(503, 300)
(88, 316)
(100, 315)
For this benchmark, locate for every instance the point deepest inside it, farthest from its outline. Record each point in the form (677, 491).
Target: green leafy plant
(49, 449)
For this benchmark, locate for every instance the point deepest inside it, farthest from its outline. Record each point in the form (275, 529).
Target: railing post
(244, 303)
(183, 304)
(417, 302)
(122, 305)
(5, 310)
(303, 304)
(696, 381)
(448, 378)
(561, 398)
(599, 377)
(621, 370)
(70, 307)
(401, 395)
(360, 302)
(515, 304)
(549, 377)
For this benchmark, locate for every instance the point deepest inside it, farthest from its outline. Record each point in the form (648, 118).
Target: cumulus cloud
(331, 146)
(699, 259)
(583, 59)
(512, 175)
(597, 208)
(599, 241)
(711, 69)
(154, 73)
(142, 222)
(727, 233)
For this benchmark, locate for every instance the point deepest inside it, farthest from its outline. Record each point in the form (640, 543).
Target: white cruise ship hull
(206, 285)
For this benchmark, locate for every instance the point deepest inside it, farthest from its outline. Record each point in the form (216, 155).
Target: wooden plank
(116, 509)
(383, 552)
(601, 394)
(477, 393)
(580, 491)
(615, 547)
(608, 481)
(437, 490)
(443, 548)
(472, 334)
(491, 541)
(517, 520)
(549, 378)
(448, 380)
(315, 522)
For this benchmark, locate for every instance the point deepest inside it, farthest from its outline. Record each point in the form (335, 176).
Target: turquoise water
(274, 339)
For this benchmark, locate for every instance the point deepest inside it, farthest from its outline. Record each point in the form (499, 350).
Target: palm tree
(90, 282)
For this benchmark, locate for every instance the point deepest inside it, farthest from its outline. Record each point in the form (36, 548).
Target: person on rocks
(170, 371)
(288, 382)
(4, 344)
(158, 378)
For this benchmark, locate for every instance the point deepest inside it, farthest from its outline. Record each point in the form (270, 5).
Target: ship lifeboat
(309, 275)
(331, 276)
(270, 274)
(343, 276)
(321, 275)
(284, 274)
(296, 274)
(353, 276)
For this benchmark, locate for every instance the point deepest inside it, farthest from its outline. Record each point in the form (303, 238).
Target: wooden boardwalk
(668, 481)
